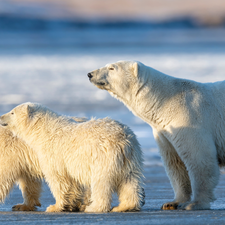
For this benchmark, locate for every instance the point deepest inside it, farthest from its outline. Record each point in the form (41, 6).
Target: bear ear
(135, 69)
(30, 109)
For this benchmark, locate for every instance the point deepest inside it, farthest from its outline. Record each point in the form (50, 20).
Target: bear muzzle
(89, 76)
(2, 123)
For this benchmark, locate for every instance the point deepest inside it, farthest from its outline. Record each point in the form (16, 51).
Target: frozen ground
(158, 191)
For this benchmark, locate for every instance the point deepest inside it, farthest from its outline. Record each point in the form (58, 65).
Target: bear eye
(12, 113)
(111, 68)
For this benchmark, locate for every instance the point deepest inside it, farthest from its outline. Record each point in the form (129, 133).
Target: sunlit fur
(188, 121)
(103, 155)
(19, 164)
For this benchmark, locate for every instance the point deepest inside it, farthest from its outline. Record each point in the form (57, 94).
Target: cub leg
(31, 190)
(176, 172)
(131, 195)
(86, 201)
(61, 190)
(7, 181)
(74, 198)
(101, 195)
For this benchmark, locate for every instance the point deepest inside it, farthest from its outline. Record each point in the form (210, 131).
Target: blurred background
(47, 47)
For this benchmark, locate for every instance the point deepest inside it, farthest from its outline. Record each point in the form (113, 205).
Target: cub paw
(122, 208)
(23, 207)
(92, 209)
(53, 208)
(82, 208)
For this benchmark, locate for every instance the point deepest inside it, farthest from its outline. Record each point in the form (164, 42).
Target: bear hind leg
(101, 196)
(176, 171)
(131, 196)
(203, 169)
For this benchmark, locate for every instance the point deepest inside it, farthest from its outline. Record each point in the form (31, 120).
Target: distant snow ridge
(61, 80)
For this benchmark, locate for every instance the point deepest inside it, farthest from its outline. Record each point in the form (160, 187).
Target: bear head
(117, 78)
(18, 116)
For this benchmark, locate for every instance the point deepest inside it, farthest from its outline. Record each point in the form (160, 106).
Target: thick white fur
(19, 164)
(188, 121)
(102, 155)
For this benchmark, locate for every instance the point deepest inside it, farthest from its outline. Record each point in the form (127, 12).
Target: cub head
(117, 78)
(18, 117)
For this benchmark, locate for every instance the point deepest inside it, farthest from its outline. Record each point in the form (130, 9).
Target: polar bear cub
(103, 155)
(19, 164)
(188, 122)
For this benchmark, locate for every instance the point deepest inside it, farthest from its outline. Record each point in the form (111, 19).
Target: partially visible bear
(188, 122)
(103, 155)
(19, 164)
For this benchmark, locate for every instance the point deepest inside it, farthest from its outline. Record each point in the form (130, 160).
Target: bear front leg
(200, 157)
(61, 189)
(86, 201)
(31, 190)
(74, 198)
(176, 172)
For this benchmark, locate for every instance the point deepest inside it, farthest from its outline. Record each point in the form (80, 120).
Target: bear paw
(124, 208)
(92, 209)
(23, 207)
(170, 206)
(194, 206)
(82, 208)
(53, 208)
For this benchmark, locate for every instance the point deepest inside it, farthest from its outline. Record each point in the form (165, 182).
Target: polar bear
(103, 155)
(19, 164)
(188, 122)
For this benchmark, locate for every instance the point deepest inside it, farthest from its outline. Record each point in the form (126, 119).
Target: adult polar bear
(188, 121)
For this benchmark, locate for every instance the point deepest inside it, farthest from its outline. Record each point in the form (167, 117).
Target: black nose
(89, 75)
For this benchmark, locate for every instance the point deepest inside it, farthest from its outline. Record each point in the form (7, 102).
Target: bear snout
(2, 123)
(89, 75)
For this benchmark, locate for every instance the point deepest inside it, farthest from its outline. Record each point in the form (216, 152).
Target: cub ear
(135, 69)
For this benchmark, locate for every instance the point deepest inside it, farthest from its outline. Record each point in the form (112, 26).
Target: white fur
(103, 155)
(188, 121)
(19, 164)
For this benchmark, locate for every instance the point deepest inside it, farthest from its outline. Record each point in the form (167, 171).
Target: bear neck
(27, 130)
(148, 99)
(40, 129)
